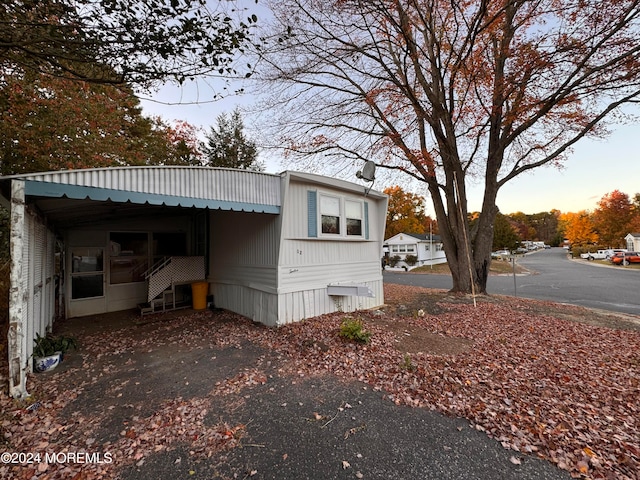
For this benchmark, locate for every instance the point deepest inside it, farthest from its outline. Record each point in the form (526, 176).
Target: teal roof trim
(78, 192)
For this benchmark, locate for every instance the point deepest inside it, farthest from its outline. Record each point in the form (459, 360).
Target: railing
(171, 271)
(156, 267)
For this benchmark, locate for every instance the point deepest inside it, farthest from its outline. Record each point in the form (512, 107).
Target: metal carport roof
(67, 196)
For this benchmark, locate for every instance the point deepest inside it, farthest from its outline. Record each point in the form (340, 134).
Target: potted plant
(49, 350)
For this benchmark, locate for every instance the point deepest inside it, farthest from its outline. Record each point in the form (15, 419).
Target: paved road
(555, 278)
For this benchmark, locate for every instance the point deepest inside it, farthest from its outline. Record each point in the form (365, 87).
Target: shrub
(407, 364)
(352, 329)
(48, 345)
(393, 261)
(411, 260)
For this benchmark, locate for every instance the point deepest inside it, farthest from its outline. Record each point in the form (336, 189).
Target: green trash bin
(199, 292)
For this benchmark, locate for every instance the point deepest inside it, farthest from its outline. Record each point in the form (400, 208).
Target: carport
(81, 241)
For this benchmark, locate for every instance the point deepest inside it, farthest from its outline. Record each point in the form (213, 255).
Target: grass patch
(498, 267)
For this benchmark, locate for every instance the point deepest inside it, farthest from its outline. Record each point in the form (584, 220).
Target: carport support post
(17, 364)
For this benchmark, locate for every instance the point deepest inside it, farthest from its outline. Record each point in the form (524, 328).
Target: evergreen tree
(227, 146)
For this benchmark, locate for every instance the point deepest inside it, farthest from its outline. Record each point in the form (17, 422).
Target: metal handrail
(156, 267)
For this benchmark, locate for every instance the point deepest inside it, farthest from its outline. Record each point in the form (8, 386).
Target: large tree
(405, 213)
(452, 92)
(613, 219)
(137, 42)
(49, 123)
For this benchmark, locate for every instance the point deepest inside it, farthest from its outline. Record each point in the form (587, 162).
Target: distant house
(633, 242)
(274, 248)
(427, 249)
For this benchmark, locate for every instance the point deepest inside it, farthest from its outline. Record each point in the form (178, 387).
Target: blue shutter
(366, 220)
(312, 213)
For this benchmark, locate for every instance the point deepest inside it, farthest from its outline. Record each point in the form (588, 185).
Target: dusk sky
(594, 169)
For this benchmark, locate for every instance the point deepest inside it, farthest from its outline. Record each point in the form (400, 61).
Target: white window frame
(349, 216)
(323, 210)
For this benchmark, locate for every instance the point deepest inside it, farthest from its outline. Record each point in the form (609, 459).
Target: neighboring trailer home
(426, 248)
(274, 248)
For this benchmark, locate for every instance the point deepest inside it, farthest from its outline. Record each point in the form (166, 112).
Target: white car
(599, 255)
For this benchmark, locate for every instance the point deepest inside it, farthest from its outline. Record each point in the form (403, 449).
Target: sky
(594, 169)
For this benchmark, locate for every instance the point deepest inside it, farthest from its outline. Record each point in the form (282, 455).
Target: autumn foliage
(49, 123)
(615, 216)
(406, 213)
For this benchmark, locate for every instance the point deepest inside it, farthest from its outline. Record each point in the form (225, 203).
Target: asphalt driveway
(189, 397)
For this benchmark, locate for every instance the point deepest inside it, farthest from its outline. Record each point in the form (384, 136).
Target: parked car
(625, 258)
(612, 251)
(599, 255)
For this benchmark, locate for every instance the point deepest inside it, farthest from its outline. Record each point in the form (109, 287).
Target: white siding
(421, 249)
(255, 304)
(308, 265)
(243, 263)
(38, 281)
(295, 306)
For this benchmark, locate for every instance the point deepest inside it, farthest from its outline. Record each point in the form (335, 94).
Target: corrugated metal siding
(26, 290)
(307, 265)
(244, 239)
(296, 306)
(38, 260)
(254, 304)
(297, 252)
(319, 276)
(190, 182)
(243, 263)
(300, 210)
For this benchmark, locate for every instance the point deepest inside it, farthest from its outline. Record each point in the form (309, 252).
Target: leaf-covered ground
(530, 374)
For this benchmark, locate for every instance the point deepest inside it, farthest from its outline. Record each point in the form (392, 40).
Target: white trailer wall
(243, 263)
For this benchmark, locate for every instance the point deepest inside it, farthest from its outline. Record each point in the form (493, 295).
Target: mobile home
(276, 248)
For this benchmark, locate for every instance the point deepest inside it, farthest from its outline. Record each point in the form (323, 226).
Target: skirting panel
(275, 310)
